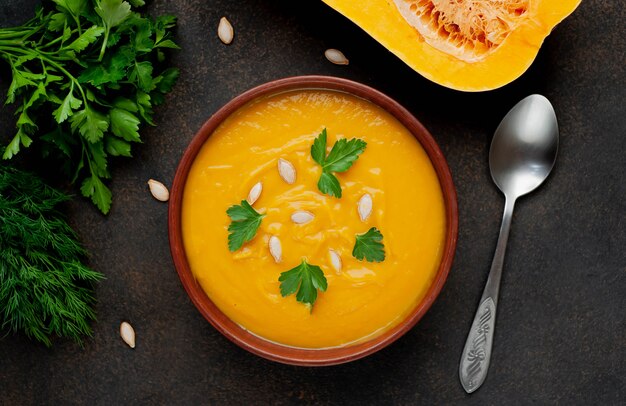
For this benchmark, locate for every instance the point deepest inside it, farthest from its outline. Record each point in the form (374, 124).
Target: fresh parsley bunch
(45, 288)
(85, 77)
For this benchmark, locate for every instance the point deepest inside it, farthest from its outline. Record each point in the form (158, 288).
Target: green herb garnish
(245, 222)
(45, 288)
(369, 246)
(85, 76)
(341, 157)
(306, 279)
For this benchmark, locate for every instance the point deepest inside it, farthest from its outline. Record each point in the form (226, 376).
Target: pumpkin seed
(336, 56)
(276, 249)
(335, 260)
(302, 217)
(255, 192)
(286, 170)
(158, 190)
(225, 31)
(127, 332)
(365, 206)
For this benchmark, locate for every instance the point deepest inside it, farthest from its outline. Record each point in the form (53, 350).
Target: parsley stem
(31, 33)
(11, 35)
(104, 43)
(42, 56)
(66, 73)
(77, 23)
(22, 33)
(11, 49)
(85, 154)
(80, 164)
(54, 41)
(11, 42)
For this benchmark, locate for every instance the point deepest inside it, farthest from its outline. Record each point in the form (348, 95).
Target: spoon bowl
(524, 146)
(522, 155)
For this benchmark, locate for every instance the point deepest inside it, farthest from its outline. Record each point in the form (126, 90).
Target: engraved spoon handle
(477, 351)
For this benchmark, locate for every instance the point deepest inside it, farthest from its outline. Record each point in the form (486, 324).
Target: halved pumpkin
(469, 45)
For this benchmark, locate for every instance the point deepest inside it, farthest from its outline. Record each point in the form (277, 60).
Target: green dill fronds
(45, 288)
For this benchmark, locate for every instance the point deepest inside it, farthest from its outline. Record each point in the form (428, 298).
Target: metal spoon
(522, 154)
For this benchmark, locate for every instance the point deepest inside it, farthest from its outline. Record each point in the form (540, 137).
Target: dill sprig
(45, 288)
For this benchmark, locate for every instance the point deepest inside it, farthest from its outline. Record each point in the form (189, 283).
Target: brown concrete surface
(560, 336)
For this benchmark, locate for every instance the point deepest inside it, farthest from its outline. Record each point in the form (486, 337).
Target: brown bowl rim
(271, 350)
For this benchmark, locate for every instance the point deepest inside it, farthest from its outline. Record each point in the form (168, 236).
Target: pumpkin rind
(383, 21)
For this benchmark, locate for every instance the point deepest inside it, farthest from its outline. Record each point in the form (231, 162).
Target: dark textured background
(560, 336)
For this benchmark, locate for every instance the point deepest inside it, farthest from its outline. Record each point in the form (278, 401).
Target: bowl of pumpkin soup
(313, 220)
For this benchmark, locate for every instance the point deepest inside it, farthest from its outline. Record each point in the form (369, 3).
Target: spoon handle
(477, 351)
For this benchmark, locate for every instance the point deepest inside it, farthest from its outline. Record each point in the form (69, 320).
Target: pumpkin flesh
(469, 45)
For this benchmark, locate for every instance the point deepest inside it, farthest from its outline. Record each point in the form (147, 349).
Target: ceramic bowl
(256, 344)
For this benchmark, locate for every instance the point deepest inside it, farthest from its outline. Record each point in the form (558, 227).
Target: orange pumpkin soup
(363, 299)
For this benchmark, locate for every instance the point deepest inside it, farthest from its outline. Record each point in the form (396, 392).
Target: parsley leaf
(166, 80)
(125, 104)
(143, 41)
(19, 81)
(144, 104)
(329, 184)
(88, 37)
(318, 149)
(14, 146)
(161, 25)
(74, 7)
(99, 193)
(112, 12)
(117, 147)
(245, 222)
(57, 22)
(124, 124)
(306, 279)
(90, 124)
(168, 43)
(67, 105)
(111, 69)
(341, 157)
(97, 158)
(343, 154)
(369, 246)
(141, 73)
